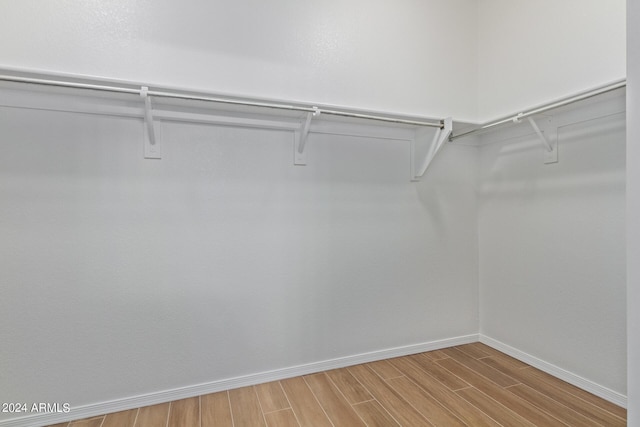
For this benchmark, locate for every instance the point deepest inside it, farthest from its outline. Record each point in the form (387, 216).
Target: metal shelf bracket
(152, 148)
(439, 138)
(548, 137)
(300, 139)
(549, 141)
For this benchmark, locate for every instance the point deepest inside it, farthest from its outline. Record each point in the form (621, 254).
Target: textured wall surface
(404, 56)
(552, 243)
(470, 59)
(223, 259)
(531, 52)
(123, 276)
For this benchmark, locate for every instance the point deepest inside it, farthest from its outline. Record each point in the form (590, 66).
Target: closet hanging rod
(216, 99)
(546, 107)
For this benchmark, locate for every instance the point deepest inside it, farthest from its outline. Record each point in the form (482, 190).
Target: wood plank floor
(468, 385)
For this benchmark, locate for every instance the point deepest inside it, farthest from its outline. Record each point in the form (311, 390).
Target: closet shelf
(185, 95)
(168, 104)
(517, 117)
(162, 104)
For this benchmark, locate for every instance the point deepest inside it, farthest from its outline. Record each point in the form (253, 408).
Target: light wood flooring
(468, 385)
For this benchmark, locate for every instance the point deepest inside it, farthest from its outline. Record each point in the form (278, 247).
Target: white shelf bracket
(550, 142)
(152, 148)
(300, 139)
(439, 138)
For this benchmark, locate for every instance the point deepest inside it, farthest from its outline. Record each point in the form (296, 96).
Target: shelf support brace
(550, 145)
(439, 138)
(300, 138)
(152, 149)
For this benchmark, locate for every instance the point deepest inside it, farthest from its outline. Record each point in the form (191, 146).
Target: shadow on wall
(447, 188)
(591, 160)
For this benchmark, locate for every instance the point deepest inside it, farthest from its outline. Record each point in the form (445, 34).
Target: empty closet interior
(196, 199)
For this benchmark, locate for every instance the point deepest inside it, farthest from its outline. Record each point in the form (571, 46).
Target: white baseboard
(571, 378)
(38, 420)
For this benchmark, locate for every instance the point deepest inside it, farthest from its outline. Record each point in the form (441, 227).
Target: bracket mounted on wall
(152, 148)
(439, 137)
(548, 137)
(300, 139)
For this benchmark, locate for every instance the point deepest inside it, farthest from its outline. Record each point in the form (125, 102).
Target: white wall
(142, 267)
(470, 59)
(552, 251)
(633, 212)
(530, 52)
(406, 56)
(123, 276)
